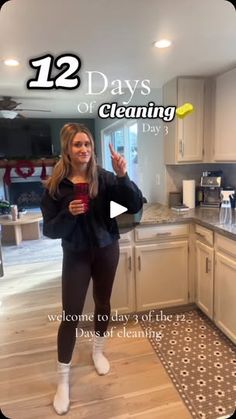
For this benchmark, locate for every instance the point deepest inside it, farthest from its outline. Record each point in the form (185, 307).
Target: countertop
(207, 217)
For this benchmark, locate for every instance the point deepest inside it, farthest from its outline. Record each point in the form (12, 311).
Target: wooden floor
(137, 385)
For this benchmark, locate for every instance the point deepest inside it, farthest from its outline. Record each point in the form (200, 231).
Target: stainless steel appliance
(210, 189)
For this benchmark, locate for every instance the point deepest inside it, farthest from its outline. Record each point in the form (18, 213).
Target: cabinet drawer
(205, 235)
(162, 232)
(225, 245)
(125, 237)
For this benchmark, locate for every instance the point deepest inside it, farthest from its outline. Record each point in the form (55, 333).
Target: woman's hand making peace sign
(118, 162)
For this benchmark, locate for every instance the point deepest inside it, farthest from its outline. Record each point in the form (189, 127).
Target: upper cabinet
(225, 117)
(184, 141)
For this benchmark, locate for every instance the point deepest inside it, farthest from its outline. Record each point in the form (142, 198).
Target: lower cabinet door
(161, 275)
(225, 295)
(205, 278)
(123, 292)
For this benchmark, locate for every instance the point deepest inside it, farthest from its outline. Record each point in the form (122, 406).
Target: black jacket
(95, 228)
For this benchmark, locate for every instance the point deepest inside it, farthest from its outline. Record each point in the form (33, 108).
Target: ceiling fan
(9, 108)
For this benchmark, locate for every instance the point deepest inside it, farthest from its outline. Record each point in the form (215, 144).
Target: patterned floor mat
(199, 359)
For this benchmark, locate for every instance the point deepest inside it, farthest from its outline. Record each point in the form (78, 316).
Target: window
(123, 137)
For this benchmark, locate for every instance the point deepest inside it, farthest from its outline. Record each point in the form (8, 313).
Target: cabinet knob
(129, 263)
(181, 147)
(208, 265)
(201, 235)
(181, 136)
(139, 263)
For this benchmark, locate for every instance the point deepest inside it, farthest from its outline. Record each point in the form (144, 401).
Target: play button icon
(125, 222)
(116, 209)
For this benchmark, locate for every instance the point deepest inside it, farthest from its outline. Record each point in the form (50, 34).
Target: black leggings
(78, 268)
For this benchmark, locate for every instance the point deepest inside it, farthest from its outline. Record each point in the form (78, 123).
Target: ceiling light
(163, 43)
(11, 62)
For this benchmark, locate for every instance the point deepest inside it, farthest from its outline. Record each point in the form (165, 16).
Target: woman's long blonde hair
(63, 167)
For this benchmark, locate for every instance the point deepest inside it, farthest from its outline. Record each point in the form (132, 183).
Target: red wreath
(28, 165)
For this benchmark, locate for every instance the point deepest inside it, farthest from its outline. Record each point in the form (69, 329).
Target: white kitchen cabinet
(184, 141)
(161, 274)
(204, 277)
(225, 286)
(161, 232)
(204, 269)
(225, 121)
(123, 292)
(152, 270)
(216, 279)
(161, 266)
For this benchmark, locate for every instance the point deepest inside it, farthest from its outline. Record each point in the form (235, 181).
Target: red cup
(82, 193)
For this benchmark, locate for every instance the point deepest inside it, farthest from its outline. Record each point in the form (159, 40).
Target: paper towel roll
(189, 193)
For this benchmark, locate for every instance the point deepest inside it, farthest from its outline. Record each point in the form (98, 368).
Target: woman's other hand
(77, 207)
(118, 162)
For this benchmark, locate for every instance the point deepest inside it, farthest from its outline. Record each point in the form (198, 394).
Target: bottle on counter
(225, 208)
(14, 212)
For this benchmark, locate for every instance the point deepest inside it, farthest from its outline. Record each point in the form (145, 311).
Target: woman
(75, 207)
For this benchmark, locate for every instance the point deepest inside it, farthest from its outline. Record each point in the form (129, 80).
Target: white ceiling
(115, 37)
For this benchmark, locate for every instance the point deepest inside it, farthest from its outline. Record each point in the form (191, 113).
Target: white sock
(61, 400)
(101, 363)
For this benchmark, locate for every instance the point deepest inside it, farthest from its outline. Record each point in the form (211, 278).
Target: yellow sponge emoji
(184, 110)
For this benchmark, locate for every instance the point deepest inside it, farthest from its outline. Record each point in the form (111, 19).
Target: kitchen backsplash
(175, 175)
